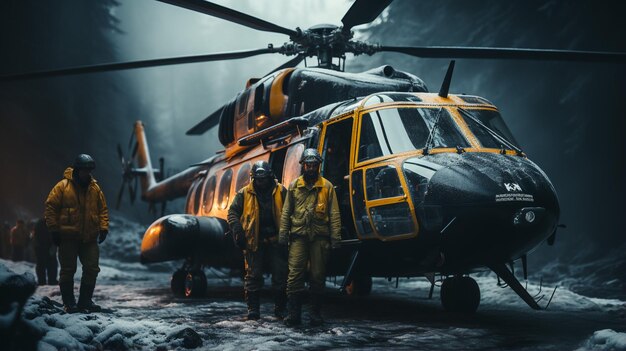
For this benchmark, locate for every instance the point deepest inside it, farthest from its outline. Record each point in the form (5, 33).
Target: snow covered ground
(141, 313)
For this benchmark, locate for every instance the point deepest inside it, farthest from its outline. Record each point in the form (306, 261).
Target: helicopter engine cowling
(487, 207)
(181, 236)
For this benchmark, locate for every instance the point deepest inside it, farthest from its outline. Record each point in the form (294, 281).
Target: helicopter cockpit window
(209, 194)
(396, 130)
(380, 98)
(224, 190)
(243, 176)
(382, 182)
(492, 120)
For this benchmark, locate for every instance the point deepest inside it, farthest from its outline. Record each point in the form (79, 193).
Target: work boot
(85, 304)
(315, 315)
(254, 305)
(67, 295)
(280, 304)
(294, 310)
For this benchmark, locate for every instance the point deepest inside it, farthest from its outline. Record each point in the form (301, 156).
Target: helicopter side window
(190, 196)
(361, 219)
(395, 130)
(209, 194)
(243, 176)
(382, 182)
(196, 196)
(224, 190)
(292, 168)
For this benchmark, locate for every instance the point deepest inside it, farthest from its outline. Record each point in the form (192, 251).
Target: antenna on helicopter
(445, 86)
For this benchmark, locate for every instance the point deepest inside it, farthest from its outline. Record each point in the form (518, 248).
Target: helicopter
(430, 183)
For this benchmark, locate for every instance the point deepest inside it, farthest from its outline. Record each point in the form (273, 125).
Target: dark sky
(568, 117)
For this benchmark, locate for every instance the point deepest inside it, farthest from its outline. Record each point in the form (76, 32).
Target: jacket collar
(250, 187)
(319, 183)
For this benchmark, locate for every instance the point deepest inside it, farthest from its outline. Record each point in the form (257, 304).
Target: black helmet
(261, 169)
(84, 161)
(311, 155)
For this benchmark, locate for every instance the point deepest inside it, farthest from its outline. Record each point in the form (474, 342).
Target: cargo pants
(307, 253)
(87, 252)
(271, 254)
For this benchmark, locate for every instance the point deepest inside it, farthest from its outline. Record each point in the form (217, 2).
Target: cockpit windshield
(395, 130)
(492, 120)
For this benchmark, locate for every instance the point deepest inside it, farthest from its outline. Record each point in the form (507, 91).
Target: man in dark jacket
(46, 254)
(19, 240)
(254, 219)
(78, 219)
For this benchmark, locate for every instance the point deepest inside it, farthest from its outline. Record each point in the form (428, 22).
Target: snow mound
(107, 331)
(124, 240)
(606, 339)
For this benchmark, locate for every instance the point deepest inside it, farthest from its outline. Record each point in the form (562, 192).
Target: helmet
(311, 155)
(261, 169)
(84, 161)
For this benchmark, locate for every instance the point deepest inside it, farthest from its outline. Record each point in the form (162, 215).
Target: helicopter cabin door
(337, 136)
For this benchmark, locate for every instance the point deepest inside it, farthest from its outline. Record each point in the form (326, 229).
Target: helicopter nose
(496, 206)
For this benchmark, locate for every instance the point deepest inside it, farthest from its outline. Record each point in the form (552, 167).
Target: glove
(335, 244)
(56, 238)
(240, 240)
(282, 240)
(103, 235)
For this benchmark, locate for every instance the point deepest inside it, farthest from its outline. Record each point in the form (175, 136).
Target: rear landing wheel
(359, 286)
(195, 284)
(177, 284)
(460, 294)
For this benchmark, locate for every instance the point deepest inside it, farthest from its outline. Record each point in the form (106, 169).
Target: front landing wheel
(460, 294)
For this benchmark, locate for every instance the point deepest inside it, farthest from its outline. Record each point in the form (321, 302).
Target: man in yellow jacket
(254, 219)
(311, 223)
(78, 220)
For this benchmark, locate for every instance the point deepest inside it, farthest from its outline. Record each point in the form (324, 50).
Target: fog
(566, 116)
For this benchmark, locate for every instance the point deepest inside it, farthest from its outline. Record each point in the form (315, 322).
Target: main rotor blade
(139, 64)
(506, 53)
(231, 15)
(211, 121)
(363, 11)
(291, 63)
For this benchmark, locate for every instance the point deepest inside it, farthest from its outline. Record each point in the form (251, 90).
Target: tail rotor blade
(119, 196)
(134, 153)
(120, 154)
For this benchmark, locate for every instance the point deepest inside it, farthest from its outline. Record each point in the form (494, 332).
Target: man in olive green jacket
(311, 223)
(77, 215)
(253, 217)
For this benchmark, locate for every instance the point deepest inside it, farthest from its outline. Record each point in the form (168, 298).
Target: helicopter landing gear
(177, 284)
(460, 294)
(195, 283)
(189, 281)
(359, 286)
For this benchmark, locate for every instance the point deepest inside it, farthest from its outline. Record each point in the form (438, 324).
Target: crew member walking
(78, 219)
(45, 253)
(19, 240)
(254, 218)
(311, 223)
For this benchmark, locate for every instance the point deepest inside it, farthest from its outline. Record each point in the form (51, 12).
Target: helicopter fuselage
(425, 184)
